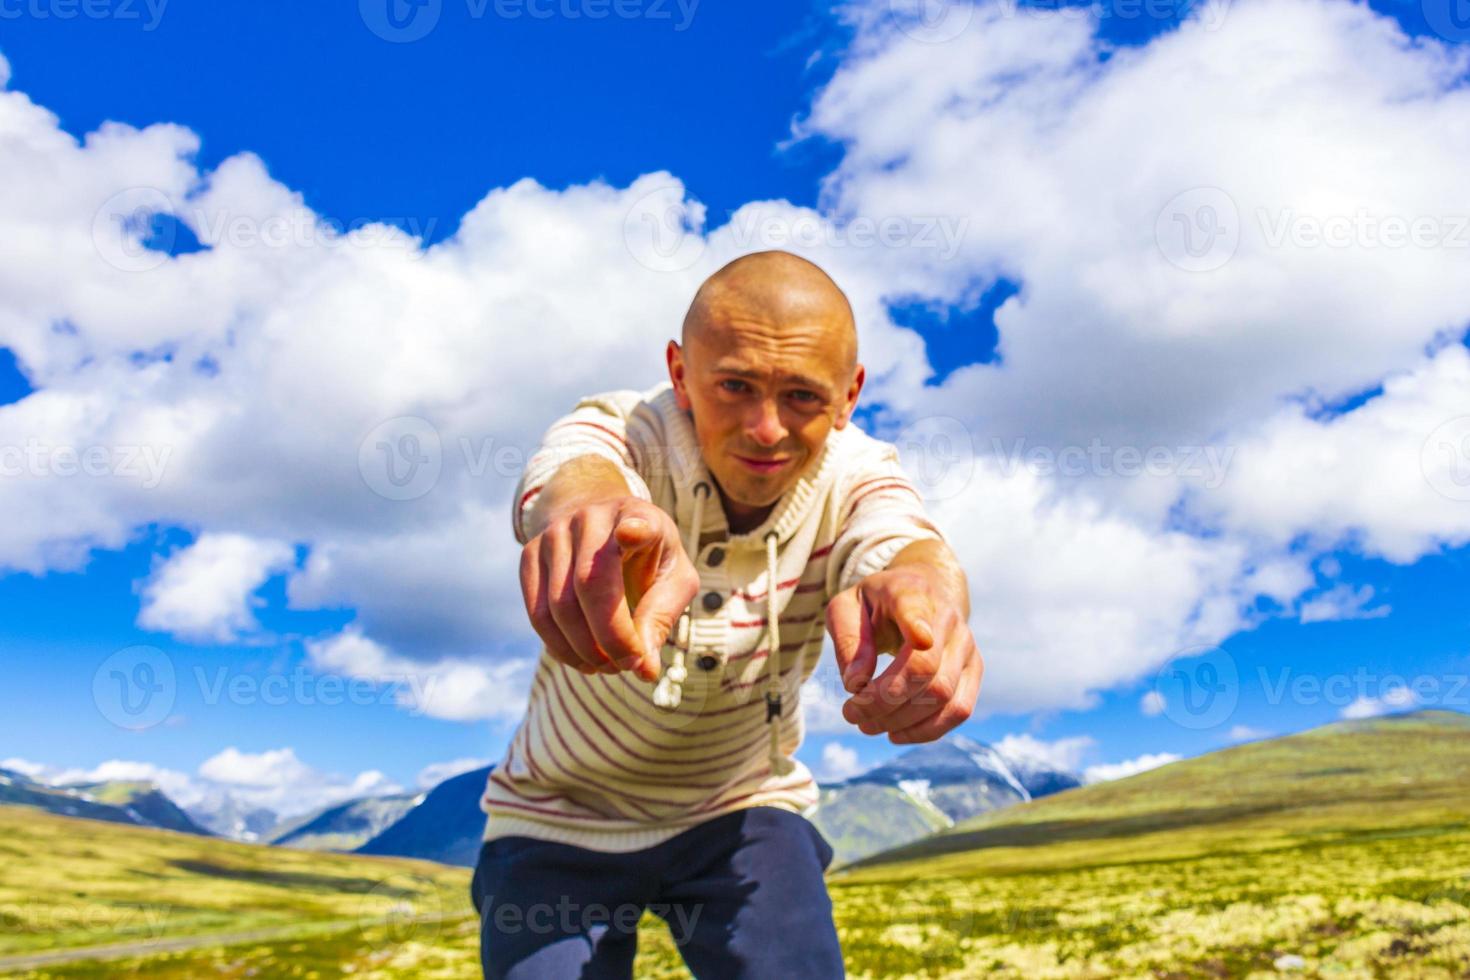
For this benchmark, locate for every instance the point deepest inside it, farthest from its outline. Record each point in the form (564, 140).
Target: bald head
(766, 370)
(777, 289)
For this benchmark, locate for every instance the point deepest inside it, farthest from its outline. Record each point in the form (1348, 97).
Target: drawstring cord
(670, 689)
(780, 765)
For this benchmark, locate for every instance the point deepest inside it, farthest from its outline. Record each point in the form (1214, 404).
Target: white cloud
(270, 416)
(1393, 699)
(205, 591)
(275, 779)
(1342, 602)
(838, 762)
(1064, 753)
(459, 690)
(1131, 767)
(1245, 733)
(436, 772)
(1152, 704)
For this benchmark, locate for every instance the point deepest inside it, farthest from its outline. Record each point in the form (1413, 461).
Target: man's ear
(674, 355)
(850, 399)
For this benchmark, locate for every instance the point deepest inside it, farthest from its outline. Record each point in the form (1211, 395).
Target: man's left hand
(934, 679)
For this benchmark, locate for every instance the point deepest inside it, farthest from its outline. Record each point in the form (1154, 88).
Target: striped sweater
(595, 762)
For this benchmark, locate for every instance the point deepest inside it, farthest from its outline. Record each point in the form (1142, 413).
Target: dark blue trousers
(743, 896)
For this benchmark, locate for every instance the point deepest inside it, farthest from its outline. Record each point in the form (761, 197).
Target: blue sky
(416, 134)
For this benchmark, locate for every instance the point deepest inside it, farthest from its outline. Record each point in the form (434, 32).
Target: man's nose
(767, 429)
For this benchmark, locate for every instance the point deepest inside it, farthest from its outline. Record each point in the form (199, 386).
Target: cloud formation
(1201, 347)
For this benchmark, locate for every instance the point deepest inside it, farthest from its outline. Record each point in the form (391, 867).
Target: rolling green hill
(69, 883)
(1341, 851)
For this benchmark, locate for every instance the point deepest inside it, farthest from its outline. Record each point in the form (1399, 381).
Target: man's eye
(810, 397)
(737, 385)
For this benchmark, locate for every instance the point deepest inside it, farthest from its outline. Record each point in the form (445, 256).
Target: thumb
(659, 608)
(914, 617)
(852, 639)
(634, 534)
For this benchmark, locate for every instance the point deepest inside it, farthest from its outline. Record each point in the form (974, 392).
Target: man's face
(764, 396)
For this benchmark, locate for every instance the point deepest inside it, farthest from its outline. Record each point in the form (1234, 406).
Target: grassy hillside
(68, 883)
(1341, 852)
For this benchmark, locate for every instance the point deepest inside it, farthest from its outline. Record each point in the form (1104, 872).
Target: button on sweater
(611, 762)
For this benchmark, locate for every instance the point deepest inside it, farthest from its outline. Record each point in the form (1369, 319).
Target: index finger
(598, 578)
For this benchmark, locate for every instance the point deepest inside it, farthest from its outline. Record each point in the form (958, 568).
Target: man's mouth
(763, 465)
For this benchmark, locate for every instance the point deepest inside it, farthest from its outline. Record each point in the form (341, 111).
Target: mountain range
(929, 788)
(926, 789)
(140, 803)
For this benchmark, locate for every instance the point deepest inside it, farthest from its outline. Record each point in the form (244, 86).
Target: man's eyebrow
(739, 372)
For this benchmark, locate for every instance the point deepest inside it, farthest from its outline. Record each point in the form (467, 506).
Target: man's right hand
(581, 575)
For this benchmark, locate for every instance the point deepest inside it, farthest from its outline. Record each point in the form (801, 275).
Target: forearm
(937, 560)
(578, 482)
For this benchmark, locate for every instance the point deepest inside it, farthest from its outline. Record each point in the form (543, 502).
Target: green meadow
(1340, 852)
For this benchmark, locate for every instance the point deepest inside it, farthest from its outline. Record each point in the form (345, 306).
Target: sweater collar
(688, 469)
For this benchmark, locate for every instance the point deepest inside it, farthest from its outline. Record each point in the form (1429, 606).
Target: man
(683, 549)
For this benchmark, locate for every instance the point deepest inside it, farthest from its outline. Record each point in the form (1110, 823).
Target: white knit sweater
(595, 762)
